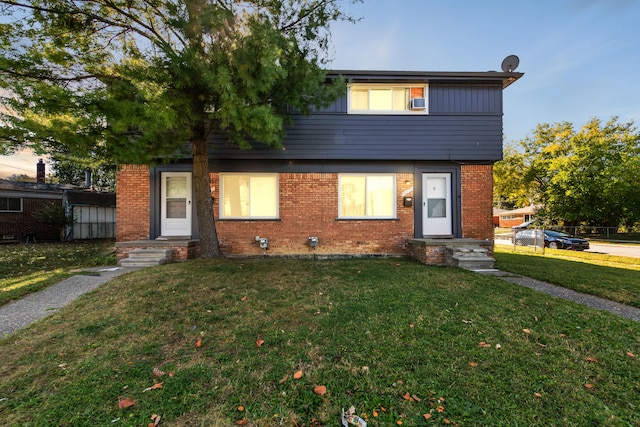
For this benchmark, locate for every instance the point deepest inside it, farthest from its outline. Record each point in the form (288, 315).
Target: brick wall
(309, 207)
(477, 201)
(20, 224)
(133, 205)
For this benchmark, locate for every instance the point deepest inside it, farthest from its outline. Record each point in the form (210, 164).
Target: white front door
(176, 204)
(436, 205)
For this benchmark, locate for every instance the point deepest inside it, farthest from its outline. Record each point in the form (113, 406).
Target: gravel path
(23, 312)
(597, 303)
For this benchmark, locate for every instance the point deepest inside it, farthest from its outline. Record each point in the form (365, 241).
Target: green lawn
(404, 343)
(29, 268)
(612, 277)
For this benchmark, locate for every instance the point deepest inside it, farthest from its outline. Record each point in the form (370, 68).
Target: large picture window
(367, 196)
(387, 99)
(10, 204)
(253, 196)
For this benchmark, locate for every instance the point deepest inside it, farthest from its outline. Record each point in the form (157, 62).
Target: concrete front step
(147, 257)
(469, 258)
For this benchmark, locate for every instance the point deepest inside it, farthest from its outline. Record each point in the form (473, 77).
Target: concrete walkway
(597, 303)
(23, 312)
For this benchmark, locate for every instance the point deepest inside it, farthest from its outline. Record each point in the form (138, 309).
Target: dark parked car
(552, 240)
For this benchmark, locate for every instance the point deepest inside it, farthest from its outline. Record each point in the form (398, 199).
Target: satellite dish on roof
(510, 63)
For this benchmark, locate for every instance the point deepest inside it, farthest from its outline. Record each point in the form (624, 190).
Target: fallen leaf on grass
(589, 386)
(199, 343)
(375, 414)
(473, 364)
(156, 420)
(153, 387)
(259, 343)
(297, 375)
(416, 398)
(241, 422)
(244, 298)
(157, 372)
(240, 408)
(592, 360)
(427, 416)
(125, 402)
(537, 394)
(630, 354)
(286, 377)
(320, 390)
(440, 408)
(526, 331)
(484, 344)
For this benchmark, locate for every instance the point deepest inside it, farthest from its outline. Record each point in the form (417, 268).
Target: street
(600, 248)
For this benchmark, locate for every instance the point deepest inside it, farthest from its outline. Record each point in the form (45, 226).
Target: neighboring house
(21, 205)
(515, 217)
(404, 158)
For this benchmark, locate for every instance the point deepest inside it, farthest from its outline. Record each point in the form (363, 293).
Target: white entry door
(436, 205)
(176, 204)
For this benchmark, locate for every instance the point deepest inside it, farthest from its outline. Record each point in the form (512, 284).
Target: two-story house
(403, 157)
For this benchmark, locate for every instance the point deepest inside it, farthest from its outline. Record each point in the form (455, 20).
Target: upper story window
(249, 196)
(10, 204)
(387, 99)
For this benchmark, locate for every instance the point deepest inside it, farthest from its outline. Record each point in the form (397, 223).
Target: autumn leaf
(199, 343)
(320, 390)
(473, 364)
(240, 408)
(440, 408)
(427, 416)
(375, 414)
(153, 387)
(537, 394)
(592, 360)
(411, 325)
(416, 398)
(526, 331)
(407, 396)
(157, 372)
(630, 354)
(125, 402)
(244, 298)
(589, 386)
(286, 377)
(156, 420)
(484, 344)
(241, 422)
(399, 422)
(259, 343)
(297, 375)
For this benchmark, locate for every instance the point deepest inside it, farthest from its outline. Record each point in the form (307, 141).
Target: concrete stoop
(469, 258)
(146, 257)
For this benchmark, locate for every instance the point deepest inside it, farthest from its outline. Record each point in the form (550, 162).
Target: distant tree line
(586, 177)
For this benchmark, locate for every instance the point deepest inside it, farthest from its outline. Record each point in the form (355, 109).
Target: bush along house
(401, 165)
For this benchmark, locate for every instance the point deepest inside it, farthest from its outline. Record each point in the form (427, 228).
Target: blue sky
(581, 58)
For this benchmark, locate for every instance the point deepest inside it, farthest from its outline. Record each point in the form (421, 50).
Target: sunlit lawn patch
(249, 342)
(613, 277)
(29, 268)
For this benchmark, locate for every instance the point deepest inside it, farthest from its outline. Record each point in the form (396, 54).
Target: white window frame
(250, 174)
(409, 111)
(12, 210)
(367, 175)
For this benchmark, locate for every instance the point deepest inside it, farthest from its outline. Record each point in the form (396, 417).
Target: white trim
(249, 174)
(394, 214)
(407, 111)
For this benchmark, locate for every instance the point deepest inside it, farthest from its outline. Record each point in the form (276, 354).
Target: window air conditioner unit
(418, 104)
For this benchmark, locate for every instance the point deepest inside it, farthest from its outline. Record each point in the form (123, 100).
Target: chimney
(40, 172)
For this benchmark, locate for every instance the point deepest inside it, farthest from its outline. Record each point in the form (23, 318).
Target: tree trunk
(209, 246)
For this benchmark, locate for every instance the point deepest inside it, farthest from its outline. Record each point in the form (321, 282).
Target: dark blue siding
(464, 124)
